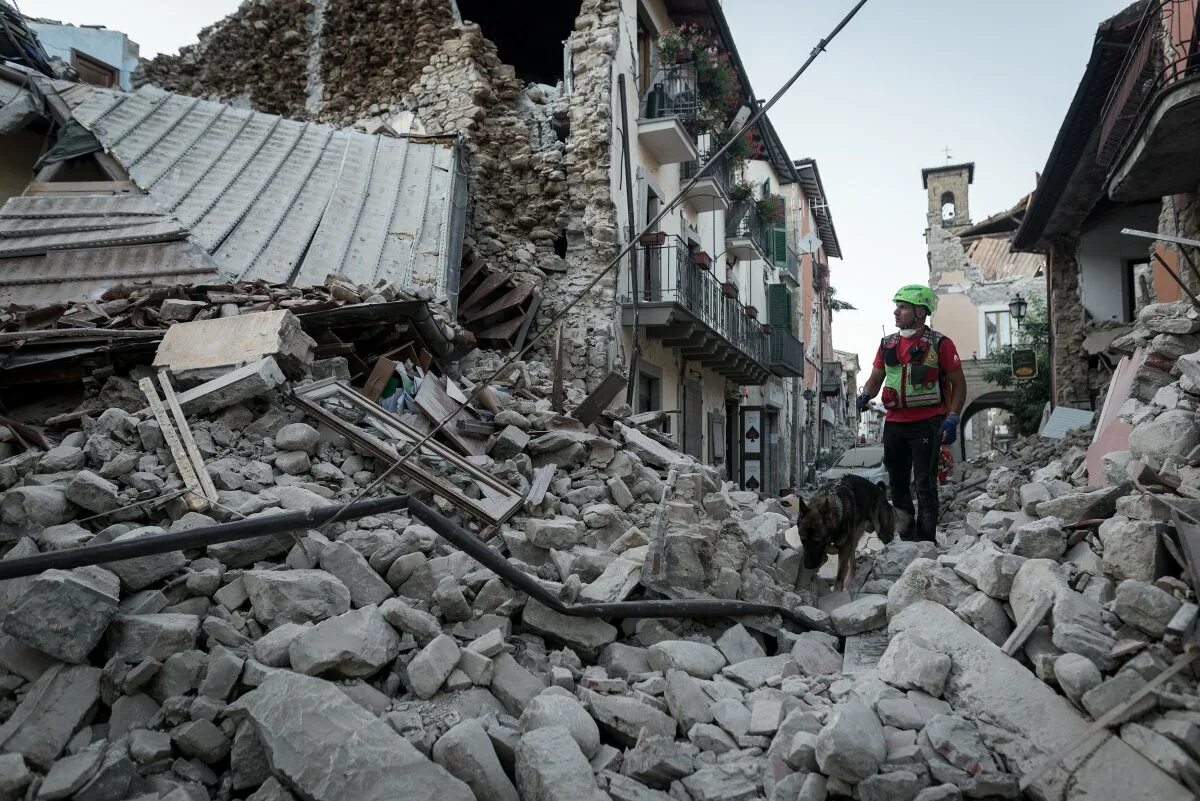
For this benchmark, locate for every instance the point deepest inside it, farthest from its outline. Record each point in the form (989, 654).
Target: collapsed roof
(215, 189)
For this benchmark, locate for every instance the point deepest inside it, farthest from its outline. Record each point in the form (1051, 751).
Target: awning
(828, 416)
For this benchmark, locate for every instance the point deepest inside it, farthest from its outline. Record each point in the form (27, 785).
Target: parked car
(865, 461)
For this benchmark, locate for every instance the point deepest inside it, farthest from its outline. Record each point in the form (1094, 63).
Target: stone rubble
(371, 659)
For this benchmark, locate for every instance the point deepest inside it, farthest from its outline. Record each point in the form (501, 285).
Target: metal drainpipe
(635, 355)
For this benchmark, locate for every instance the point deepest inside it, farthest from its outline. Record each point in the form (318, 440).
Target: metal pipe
(636, 353)
(1177, 279)
(521, 580)
(195, 538)
(444, 527)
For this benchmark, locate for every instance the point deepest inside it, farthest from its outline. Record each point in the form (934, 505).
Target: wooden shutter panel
(779, 307)
(779, 246)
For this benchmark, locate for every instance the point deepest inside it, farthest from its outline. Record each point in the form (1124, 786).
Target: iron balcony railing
(721, 171)
(787, 353)
(668, 274)
(744, 220)
(1165, 50)
(674, 93)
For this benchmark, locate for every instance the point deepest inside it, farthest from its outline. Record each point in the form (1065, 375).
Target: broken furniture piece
(380, 434)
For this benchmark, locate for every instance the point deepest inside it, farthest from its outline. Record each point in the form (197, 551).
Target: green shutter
(779, 307)
(779, 246)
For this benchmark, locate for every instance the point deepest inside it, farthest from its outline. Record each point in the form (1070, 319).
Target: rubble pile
(157, 305)
(1026, 456)
(227, 672)
(1084, 572)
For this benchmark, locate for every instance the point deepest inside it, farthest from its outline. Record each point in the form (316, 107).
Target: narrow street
(417, 400)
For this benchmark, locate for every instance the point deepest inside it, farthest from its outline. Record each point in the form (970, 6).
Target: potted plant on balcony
(701, 260)
(768, 329)
(751, 312)
(740, 191)
(717, 85)
(773, 209)
(729, 289)
(653, 239)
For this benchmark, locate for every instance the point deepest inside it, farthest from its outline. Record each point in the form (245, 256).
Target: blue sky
(905, 80)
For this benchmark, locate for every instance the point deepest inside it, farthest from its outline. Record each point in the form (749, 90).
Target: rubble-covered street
(348, 456)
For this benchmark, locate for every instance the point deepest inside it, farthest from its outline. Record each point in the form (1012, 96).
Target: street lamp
(1017, 307)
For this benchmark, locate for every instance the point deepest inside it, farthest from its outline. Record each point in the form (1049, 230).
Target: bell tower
(948, 188)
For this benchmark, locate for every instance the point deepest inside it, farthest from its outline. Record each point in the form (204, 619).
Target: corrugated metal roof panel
(257, 192)
(87, 273)
(43, 206)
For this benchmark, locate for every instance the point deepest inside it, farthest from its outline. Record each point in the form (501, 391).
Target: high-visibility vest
(917, 382)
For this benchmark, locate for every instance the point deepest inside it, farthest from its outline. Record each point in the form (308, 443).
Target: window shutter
(779, 246)
(779, 307)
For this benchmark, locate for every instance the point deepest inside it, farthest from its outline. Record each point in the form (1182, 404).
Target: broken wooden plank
(482, 293)
(435, 404)
(530, 314)
(185, 436)
(558, 396)
(194, 497)
(1033, 618)
(601, 396)
(384, 369)
(475, 428)
(511, 299)
(540, 483)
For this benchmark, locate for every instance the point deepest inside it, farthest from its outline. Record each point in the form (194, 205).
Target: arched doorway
(984, 423)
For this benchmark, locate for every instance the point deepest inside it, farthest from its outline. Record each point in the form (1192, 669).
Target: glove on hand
(862, 400)
(950, 429)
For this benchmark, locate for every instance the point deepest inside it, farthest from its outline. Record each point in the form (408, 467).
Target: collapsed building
(245, 543)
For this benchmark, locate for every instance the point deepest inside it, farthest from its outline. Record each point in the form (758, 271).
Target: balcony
(790, 272)
(787, 355)
(711, 192)
(747, 234)
(1148, 124)
(670, 110)
(685, 308)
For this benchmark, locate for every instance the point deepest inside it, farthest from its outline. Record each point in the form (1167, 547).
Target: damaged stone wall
(1067, 328)
(539, 159)
(372, 53)
(258, 54)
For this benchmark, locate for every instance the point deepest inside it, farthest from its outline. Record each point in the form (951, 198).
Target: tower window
(947, 207)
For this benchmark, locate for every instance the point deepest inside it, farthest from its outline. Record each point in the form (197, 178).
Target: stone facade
(258, 55)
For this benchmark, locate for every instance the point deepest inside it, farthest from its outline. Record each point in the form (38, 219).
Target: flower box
(701, 260)
(653, 239)
(729, 289)
(752, 312)
(768, 329)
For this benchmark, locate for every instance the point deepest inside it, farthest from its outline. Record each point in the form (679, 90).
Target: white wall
(1103, 253)
(111, 47)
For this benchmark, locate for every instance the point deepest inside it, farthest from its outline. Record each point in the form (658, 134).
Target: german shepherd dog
(834, 521)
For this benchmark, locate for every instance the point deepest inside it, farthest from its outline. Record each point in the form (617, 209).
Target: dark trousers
(910, 454)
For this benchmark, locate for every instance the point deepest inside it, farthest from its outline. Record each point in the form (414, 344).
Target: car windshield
(861, 457)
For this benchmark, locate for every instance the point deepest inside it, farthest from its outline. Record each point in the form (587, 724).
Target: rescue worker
(924, 391)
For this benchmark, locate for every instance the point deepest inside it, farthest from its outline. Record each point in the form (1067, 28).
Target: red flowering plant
(773, 209)
(717, 82)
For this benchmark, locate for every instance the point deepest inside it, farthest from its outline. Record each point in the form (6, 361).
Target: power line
(616, 260)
